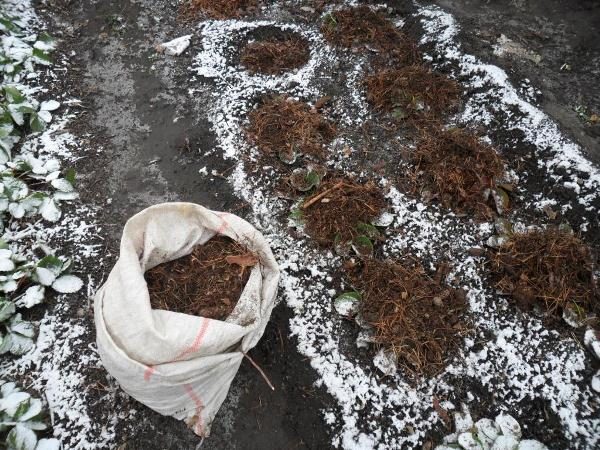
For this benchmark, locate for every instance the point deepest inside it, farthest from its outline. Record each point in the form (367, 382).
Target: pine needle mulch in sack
(412, 92)
(276, 55)
(456, 168)
(551, 268)
(286, 127)
(363, 27)
(216, 9)
(208, 282)
(332, 214)
(419, 318)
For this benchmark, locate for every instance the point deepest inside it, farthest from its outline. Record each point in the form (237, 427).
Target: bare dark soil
(208, 282)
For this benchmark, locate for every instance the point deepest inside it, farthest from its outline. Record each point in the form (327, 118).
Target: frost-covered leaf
(508, 425)
(384, 220)
(46, 116)
(21, 438)
(49, 210)
(53, 263)
(34, 295)
(468, 442)
(8, 286)
(15, 404)
(386, 361)
(45, 276)
(340, 246)
(531, 444)
(13, 95)
(48, 444)
(463, 421)
(7, 309)
(50, 105)
(288, 155)
(36, 123)
(501, 199)
(591, 339)
(14, 188)
(65, 196)
(41, 57)
(33, 410)
(6, 264)
(67, 284)
(347, 304)
(505, 443)
(16, 210)
(60, 184)
(487, 431)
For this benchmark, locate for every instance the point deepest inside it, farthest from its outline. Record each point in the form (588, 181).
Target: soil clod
(552, 269)
(416, 316)
(208, 282)
(456, 168)
(412, 92)
(338, 208)
(276, 55)
(286, 127)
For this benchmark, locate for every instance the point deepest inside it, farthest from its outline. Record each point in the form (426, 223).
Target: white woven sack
(179, 365)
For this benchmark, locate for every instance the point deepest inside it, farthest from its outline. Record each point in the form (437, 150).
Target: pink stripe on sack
(148, 373)
(224, 224)
(191, 349)
(198, 427)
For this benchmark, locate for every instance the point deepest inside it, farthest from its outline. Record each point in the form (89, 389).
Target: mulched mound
(286, 127)
(208, 282)
(333, 213)
(412, 92)
(276, 55)
(365, 28)
(549, 268)
(456, 168)
(217, 9)
(418, 317)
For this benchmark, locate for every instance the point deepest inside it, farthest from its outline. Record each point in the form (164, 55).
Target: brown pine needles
(341, 204)
(549, 268)
(456, 168)
(418, 317)
(284, 125)
(275, 55)
(208, 282)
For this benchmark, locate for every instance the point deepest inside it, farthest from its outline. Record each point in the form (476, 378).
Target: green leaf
(52, 263)
(41, 57)
(363, 246)
(368, 230)
(13, 95)
(7, 309)
(348, 303)
(70, 176)
(21, 438)
(297, 214)
(36, 124)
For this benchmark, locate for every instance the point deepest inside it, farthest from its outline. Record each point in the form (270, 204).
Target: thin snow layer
(515, 357)
(557, 154)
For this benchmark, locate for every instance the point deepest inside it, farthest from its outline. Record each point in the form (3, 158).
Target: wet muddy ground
(153, 137)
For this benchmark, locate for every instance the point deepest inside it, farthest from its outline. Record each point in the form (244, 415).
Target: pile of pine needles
(456, 168)
(208, 282)
(276, 55)
(550, 268)
(418, 317)
(216, 9)
(362, 27)
(284, 125)
(335, 210)
(412, 92)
